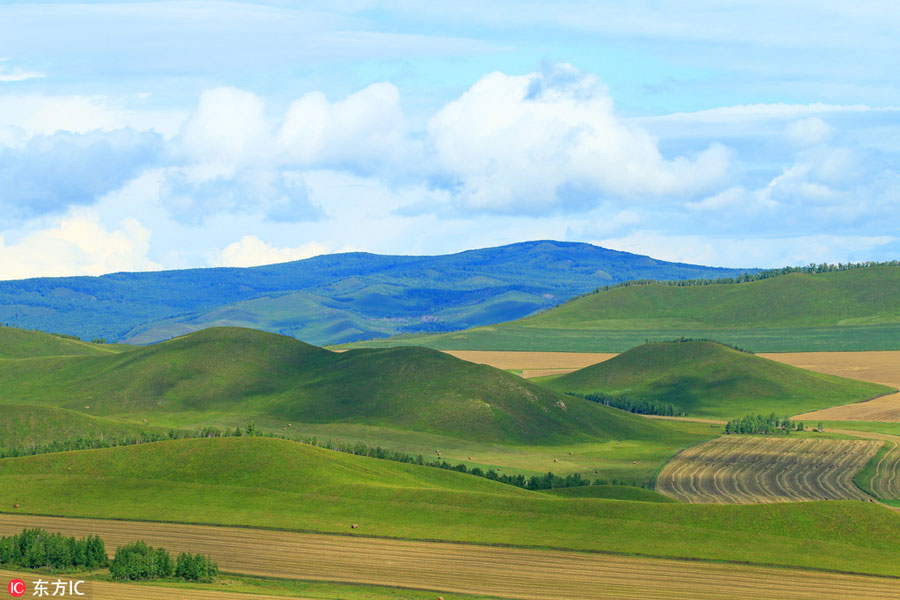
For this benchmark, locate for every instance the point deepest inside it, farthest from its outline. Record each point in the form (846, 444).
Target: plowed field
(751, 469)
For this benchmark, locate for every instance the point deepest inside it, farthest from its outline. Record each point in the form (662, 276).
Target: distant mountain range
(334, 298)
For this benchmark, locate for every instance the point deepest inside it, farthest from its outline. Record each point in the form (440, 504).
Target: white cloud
(250, 251)
(228, 127)
(808, 131)
(366, 127)
(547, 140)
(77, 244)
(23, 116)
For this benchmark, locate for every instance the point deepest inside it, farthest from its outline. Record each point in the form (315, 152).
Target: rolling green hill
(277, 483)
(30, 425)
(19, 343)
(856, 309)
(229, 375)
(707, 379)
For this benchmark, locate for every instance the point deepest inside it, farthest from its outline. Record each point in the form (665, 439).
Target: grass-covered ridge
(33, 425)
(229, 375)
(706, 379)
(276, 483)
(854, 309)
(20, 343)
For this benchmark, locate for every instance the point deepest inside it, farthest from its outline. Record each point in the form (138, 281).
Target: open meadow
(462, 568)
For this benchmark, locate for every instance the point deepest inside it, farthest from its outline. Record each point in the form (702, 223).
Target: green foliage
(139, 562)
(196, 567)
(641, 407)
(706, 379)
(756, 424)
(36, 548)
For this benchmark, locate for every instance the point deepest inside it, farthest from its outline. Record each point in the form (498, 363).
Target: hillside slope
(706, 379)
(229, 375)
(856, 309)
(19, 343)
(334, 298)
(282, 484)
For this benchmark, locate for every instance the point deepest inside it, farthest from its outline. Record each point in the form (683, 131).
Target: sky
(164, 135)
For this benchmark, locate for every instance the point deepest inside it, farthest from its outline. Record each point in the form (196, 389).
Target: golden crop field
(504, 572)
(752, 469)
(877, 367)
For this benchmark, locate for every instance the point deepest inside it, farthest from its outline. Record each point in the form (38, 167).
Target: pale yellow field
(740, 469)
(503, 572)
(877, 367)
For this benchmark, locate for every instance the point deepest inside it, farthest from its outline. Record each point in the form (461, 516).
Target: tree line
(36, 549)
(755, 424)
(139, 562)
(641, 407)
(39, 549)
(759, 275)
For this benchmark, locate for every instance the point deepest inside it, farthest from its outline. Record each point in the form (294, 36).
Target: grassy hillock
(30, 425)
(856, 309)
(276, 483)
(229, 375)
(20, 343)
(707, 379)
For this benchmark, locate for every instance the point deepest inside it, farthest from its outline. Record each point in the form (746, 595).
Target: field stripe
(755, 469)
(505, 572)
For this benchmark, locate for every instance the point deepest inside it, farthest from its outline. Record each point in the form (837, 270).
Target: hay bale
(469, 458)
(354, 526)
(15, 506)
(554, 460)
(634, 462)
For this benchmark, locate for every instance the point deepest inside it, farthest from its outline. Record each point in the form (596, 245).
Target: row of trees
(144, 437)
(139, 562)
(748, 277)
(755, 424)
(36, 548)
(683, 339)
(641, 407)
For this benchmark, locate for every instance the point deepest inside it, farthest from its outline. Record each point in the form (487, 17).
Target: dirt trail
(505, 572)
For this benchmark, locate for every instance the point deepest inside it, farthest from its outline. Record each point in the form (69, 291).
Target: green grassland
(24, 425)
(842, 310)
(231, 375)
(20, 343)
(276, 483)
(706, 379)
(614, 492)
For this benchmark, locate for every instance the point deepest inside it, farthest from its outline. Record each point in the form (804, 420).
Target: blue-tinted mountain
(333, 298)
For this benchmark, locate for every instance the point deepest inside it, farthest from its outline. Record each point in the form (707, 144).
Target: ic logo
(16, 587)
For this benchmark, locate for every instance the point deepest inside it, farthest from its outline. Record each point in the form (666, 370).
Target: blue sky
(182, 134)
